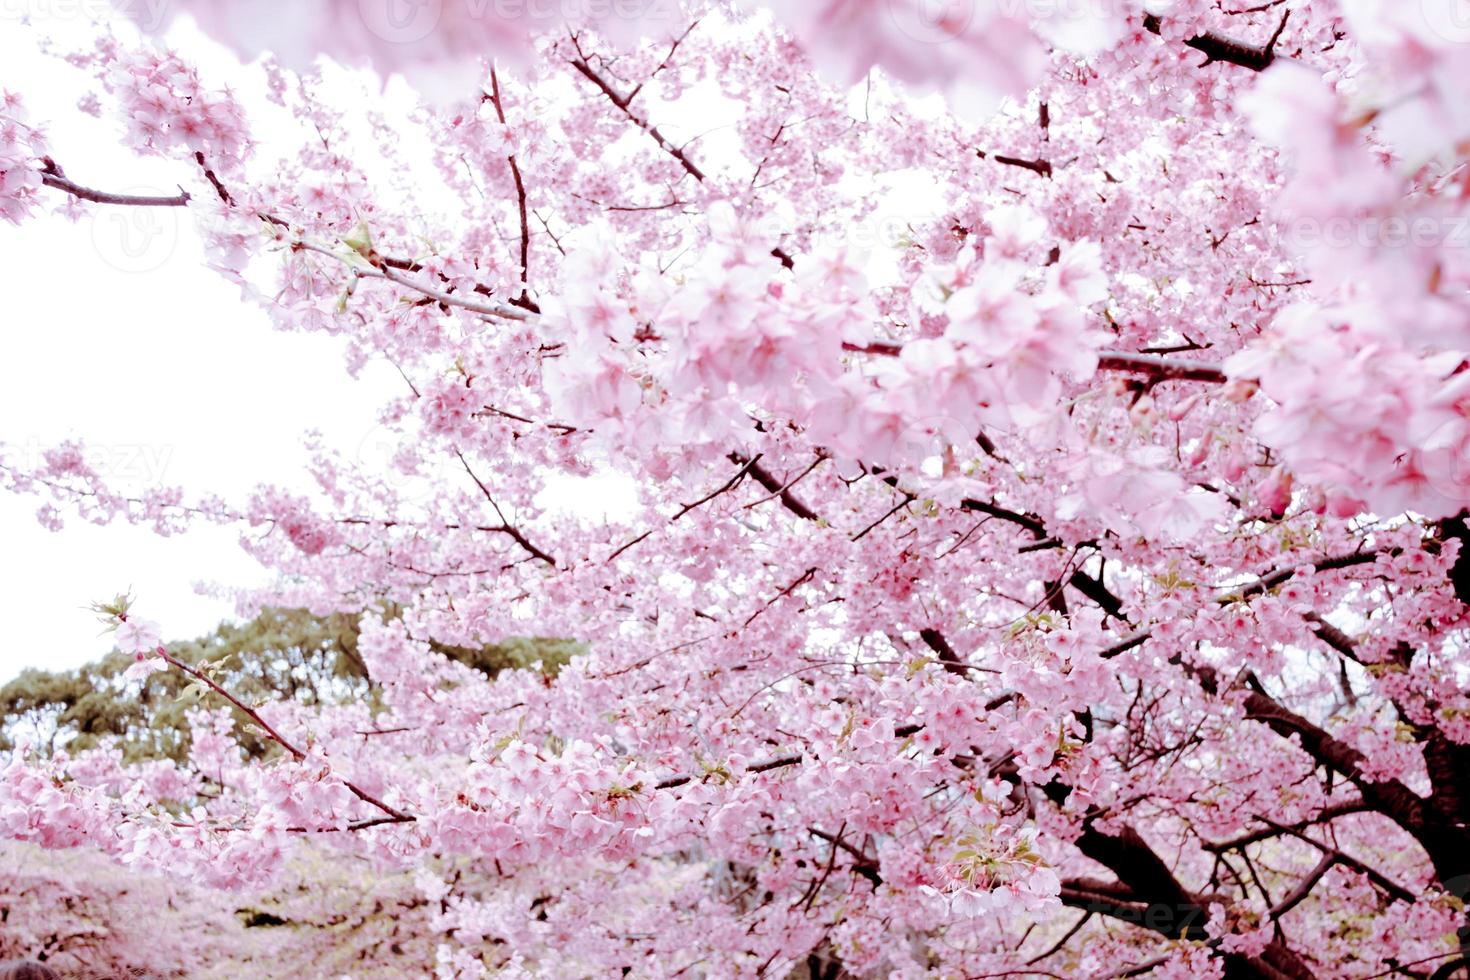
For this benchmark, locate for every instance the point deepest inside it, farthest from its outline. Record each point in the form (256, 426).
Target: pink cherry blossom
(989, 479)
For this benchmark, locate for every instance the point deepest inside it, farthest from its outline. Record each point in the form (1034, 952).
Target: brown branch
(779, 762)
(1304, 887)
(1390, 887)
(219, 188)
(1030, 522)
(1066, 936)
(935, 641)
(1161, 903)
(1442, 841)
(1041, 167)
(768, 480)
(865, 866)
(1326, 815)
(505, 527)
(1219, 47)
(1269, 581)
(668, 60)
(796, 758)
(524, 300)
(622, 103)
(822, 457)
(393, 815)
(1161, 368)
(800, 580)
(727, 486)
(831, 863)
(908, 499)
(52, 176)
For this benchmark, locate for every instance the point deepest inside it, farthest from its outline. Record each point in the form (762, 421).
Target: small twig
(505, 526)
(1219, 47)
(524, 300)
(394, 815)
(52, 176)
(622, 103)
(821, 458)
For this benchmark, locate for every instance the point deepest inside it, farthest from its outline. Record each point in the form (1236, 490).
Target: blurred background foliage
(288, 653)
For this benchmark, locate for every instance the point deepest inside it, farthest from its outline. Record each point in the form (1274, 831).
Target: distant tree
(280, 653)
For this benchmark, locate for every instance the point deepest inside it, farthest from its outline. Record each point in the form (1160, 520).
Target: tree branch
(52, 176)
(524, 300)
(1161, 368)
(393, 815)
(623, 104)
(1219, 47)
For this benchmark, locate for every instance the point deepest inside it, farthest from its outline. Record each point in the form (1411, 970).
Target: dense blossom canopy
(1050, 425)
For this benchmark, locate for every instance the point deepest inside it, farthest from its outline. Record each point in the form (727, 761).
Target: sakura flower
(143, 666)
(137, 635)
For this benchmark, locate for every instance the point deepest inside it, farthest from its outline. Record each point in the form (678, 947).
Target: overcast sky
(117, 334)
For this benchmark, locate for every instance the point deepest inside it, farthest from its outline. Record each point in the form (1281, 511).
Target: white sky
(114, 332)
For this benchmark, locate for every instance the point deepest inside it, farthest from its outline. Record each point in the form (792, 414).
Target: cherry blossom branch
(821, 458)
(865, 865)
(524, 299)
(1163, 904)
(935, 641)
(392, 814)
(219, 187)
(52, 176)
(1336, 856)
(668, 59)
(908, 498)
(768, 480)
(1446, 762)
(1333, 563)
(1041, 167)
(797, 758)
(1160, 367)
(1066, 937)
(488, 309)
(1326, 815)
(387, 271)
(505, 526)
(1219, 47)
(1387, 796)
(623, 104)
(797, 583)
(725, 487)
(1259, 587)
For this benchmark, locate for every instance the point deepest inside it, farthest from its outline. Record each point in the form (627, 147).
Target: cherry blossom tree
(1051, 440)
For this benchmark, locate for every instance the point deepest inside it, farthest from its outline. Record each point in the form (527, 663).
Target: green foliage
(280, 653)
(517, 653)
